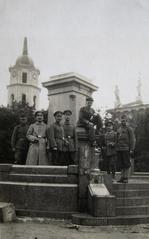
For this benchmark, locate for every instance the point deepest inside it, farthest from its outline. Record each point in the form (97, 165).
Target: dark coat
(56, 136)
(70, 135)
(110, 143)
(85, 115)
(18, 138)
(125, 139)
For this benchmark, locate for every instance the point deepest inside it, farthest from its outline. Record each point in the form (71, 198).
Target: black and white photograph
(74, 119)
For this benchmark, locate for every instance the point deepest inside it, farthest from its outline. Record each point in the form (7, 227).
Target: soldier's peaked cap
(109, 122)
(124, 117)
(67, 112)
(57, 112)
(89, 99)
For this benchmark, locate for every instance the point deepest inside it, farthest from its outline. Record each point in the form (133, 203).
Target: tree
(9, 118)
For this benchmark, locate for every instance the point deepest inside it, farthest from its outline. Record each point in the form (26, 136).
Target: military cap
(38, 112)
(67, 112)
(22, 115)
(57, 112)
(123, 117)
(109, 122)
(89, 99)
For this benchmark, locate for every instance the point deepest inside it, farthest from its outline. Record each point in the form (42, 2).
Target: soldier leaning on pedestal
(70, 145)
(19, 142)
(125, 148)
(56, 139)
(89, 119)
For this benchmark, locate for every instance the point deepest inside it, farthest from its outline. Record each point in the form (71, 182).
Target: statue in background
(117, 97)
(139, 96)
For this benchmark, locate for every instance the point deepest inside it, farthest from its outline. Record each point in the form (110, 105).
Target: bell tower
(23, 85)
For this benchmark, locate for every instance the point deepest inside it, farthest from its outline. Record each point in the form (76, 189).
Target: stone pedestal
(85, 156)
(68, 91)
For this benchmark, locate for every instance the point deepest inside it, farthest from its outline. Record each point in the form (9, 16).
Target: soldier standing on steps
(19, 142)
(91, 120)
(56, 139)
(110, 148)
(125, 148)
(70, 142)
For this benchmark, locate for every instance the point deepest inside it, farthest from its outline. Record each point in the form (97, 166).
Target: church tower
(23, 85)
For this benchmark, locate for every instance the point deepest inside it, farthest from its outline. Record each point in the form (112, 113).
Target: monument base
(45, 191)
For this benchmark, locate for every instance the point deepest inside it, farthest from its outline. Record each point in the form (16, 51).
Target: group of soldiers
(32, 144)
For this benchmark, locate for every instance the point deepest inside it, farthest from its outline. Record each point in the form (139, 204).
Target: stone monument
(68, 91)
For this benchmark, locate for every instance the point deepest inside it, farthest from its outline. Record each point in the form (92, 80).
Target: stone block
(4, 171)
(5, 167)
(100, 202)
(72, 169)
(51, 170)
(7, 212)
(108, 182)
(41, 196)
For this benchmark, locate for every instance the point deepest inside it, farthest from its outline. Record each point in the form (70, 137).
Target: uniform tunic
(19, 142)
(86, 116)
(110, 151)
(56, 140)
(125, 143)
(70, 136)
(56, 136)
(70, 146)
(37, 154)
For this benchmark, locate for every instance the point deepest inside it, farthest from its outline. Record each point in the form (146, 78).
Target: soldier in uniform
(91, 120)
(37, 136)
(125, 148)
(110, 149)
(56, 139)
(70, 142)
(19, 142)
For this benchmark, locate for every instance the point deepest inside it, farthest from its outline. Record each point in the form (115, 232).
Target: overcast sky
(107, 41)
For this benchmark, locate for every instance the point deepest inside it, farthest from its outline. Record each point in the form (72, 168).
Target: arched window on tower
(12, 98)
(23, 99)
(24, 77)
(34, 101)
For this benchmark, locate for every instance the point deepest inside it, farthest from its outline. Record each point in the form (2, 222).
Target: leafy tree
(9, 118)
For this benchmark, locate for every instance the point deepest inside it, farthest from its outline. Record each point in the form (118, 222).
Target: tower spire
(25, 48)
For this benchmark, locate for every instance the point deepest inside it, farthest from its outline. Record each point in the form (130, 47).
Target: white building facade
(23, 87)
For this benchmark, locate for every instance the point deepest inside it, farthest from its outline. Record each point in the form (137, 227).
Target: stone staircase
(132, 205)
(142, 176)
(43, 191)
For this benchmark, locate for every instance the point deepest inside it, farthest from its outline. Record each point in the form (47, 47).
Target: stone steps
(132, 201)
(42, 213)
(133, 210)
(46, 197)
(131, 185)
(140, 177)
(88, 220)
(131, 193)
(49, 170)
(43, 178)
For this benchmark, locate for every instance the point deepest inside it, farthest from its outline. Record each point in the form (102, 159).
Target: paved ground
(52, 229)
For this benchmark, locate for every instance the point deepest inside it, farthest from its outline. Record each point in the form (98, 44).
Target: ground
(59, 229)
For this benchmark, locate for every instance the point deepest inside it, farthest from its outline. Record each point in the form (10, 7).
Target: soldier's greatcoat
(37, 154)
